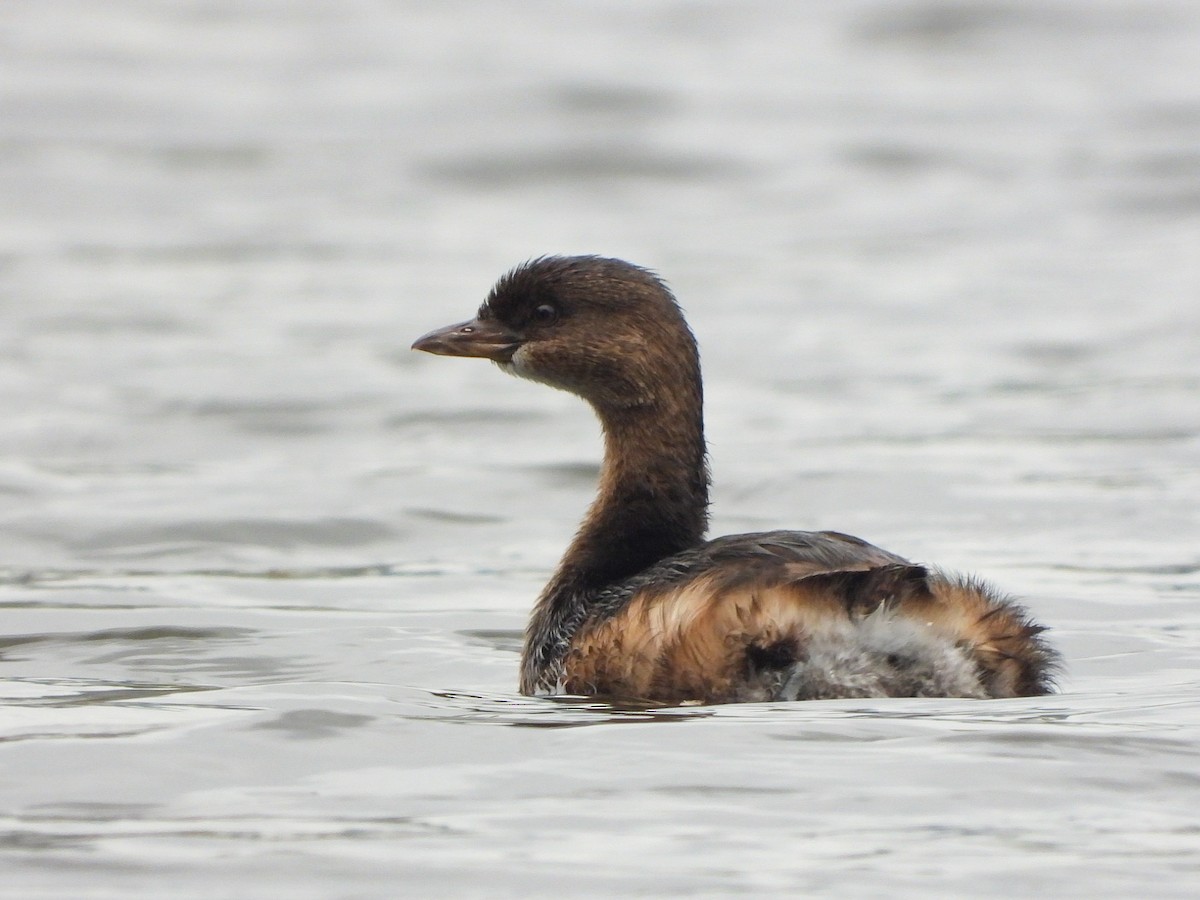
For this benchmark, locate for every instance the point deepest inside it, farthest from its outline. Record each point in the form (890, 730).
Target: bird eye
(545, 314)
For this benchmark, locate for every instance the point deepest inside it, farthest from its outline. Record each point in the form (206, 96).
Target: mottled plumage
(642, 608)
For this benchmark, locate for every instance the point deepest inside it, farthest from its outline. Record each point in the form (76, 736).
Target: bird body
(642, 607)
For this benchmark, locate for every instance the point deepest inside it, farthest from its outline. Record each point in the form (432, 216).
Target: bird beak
(484, 338)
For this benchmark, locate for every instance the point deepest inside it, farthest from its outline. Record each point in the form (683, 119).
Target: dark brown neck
(652, 502)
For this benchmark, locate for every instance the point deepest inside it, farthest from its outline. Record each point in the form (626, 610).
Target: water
(265, 569)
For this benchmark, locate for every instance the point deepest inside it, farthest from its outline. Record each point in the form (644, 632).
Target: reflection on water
(257, 555)
(548, 712)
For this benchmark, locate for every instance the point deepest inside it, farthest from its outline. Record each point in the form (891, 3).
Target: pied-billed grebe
(642, 607)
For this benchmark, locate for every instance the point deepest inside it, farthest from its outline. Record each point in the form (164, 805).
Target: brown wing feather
(721, 637)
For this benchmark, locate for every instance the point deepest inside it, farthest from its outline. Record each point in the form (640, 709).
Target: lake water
(265, 570)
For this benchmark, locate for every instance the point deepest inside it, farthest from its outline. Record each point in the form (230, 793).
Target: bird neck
(652, 502)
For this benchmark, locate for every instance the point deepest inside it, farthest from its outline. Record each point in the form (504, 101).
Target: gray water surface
(264, 570)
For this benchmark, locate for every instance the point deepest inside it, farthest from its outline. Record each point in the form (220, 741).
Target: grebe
(641, 607)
